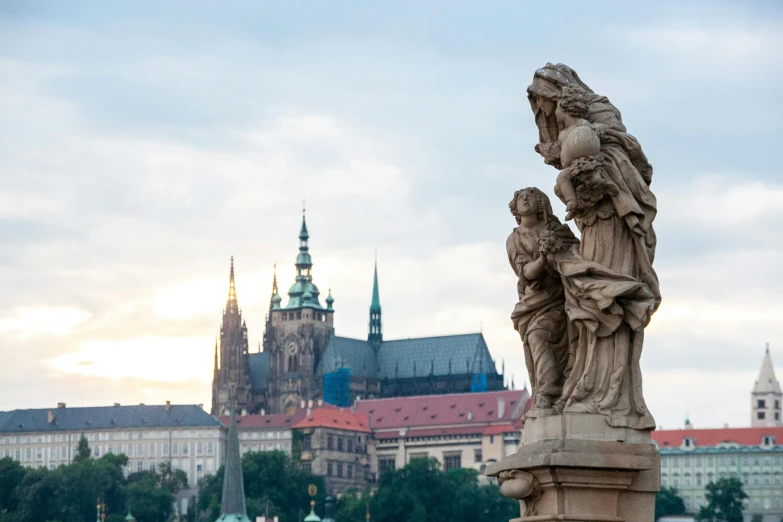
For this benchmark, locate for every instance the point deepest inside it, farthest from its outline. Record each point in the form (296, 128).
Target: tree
(724, 501)
(668, 502)
(11, 475)
(147, 498)
(173, 480)
(422, 491)
(82, 450)
(273, 483)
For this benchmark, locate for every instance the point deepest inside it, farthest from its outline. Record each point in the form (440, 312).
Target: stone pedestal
(575, 467)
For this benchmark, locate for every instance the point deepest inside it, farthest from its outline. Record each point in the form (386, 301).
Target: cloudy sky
(144, 143)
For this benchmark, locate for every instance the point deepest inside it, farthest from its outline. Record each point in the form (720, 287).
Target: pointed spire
(375, 335)
(303, 235)
(767, 382)
(232, 306)
(375, 305)
(329, 299)
(233, 504)
(216, 355)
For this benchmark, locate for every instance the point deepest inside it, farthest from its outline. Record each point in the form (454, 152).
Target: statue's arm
(524, 267)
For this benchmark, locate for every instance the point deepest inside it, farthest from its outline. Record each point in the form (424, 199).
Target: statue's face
(527, 204)
(546, 106)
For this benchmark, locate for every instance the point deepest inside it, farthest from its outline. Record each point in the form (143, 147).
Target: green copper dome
(303, 293)
(312, 517)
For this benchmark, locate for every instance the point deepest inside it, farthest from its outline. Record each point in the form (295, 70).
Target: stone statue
(568, 305)
(583, 305)
(586, 451)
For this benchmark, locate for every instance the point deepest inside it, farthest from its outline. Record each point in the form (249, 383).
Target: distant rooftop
(427, 411)
(259, 422)
(106, 418)
(715, 436)
(328, 416)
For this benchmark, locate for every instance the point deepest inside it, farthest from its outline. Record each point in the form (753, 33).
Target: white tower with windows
(766, 397)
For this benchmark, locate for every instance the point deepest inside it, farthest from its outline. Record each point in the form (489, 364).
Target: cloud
(138, 155)
(150, 358)
(42, 321)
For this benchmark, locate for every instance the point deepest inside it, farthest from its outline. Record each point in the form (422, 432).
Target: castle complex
(302, 359)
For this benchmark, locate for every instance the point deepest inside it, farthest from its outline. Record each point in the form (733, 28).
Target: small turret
(329, 300)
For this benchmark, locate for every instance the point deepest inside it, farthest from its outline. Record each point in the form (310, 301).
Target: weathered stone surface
(583, 307)
(580, 468)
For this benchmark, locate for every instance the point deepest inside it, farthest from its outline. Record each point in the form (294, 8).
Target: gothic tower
(297, 336)
(231, 377)
(766, 396)
(375, 335)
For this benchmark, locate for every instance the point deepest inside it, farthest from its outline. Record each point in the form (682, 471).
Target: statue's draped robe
(541, 306)
(604, 376)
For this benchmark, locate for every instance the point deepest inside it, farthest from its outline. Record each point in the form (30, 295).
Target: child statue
(582, 182)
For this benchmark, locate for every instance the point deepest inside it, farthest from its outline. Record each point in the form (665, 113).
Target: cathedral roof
(767, 382)
(344, 352)
(466, 353)
(259, 370)
(455, 354)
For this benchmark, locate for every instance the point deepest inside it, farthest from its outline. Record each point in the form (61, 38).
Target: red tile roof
(712, 437)
(327, 416)
(499, 429)
(250, 422)
(439, 410)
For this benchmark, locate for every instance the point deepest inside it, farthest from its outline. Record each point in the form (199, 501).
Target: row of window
(290, 316)
(244, 448)
(105, 436)
(258, 435)
(757, 504)
(762, 415)
(722, 460)
(342, 469)
(762, 403)
(755, 480)
(337, 443)
(61, 452)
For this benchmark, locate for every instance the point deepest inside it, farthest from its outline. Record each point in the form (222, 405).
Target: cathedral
(302, 359)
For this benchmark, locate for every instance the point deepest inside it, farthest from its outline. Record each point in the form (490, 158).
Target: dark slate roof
(106, 417)
(4, 417)
(259, 370)
(343, 352)
(468, 354)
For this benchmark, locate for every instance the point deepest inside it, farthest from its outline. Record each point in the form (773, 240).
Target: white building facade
(185, 436)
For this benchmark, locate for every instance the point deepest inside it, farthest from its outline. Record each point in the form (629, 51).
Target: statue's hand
(550, 152)
(632, 220)
(599, 129)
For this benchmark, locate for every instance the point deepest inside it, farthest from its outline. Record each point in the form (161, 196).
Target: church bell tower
(297, 336)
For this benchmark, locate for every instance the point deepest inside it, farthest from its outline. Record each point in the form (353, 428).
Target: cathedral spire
(375, 335)
(232, 306)
(216, 356)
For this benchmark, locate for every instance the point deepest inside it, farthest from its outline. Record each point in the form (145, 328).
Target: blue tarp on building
(337, 387)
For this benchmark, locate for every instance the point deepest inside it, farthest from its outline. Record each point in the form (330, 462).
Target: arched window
(293, 363)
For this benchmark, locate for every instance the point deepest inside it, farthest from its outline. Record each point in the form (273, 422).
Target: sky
(142, 144)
